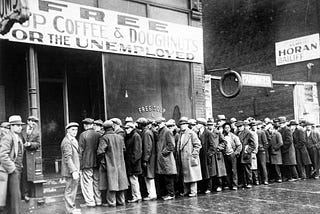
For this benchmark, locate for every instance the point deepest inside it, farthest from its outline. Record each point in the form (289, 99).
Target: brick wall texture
(241, 34)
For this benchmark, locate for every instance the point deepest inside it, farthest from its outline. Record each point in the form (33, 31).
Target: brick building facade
(242, 35)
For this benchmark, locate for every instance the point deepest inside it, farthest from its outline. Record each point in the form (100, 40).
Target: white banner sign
(68, 25)
(298, 50)
(256, 79)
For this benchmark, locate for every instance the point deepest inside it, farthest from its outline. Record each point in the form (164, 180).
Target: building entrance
(71, 89)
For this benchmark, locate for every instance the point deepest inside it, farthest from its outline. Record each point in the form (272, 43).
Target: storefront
(72, 61)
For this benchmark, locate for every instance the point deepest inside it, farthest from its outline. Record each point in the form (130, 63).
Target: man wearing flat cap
(117, 127)
(11, 159)
(148, 158)
(210, 124)
(32, 135)
(97, 126)
(289, 161)
(89, 175)
(4, 129)
(313, 146)
(221, 120)
(206, 156)
(133, 157)
(113, 176)
(299, 141)
(70, 166)
(165, 165)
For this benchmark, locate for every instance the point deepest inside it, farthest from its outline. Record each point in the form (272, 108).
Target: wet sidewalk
(288, 197)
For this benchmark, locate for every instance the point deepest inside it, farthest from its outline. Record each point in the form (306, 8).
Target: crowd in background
(117, 163)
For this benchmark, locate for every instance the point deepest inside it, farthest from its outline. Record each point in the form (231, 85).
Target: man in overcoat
(133, 155)
(248, 146)
(188, 148)
(117, 127)
(288, 152)
(208, 169)
(89, 175)
(166, 167)
(70, 166)
(313, 146)
(113, 176)
(275, 151)
(32, 135)
(11, 155)
(302, 155)
(262, 153)
(148, 158)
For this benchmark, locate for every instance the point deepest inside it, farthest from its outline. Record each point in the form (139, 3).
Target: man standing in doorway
(11, 155)
(70, 166)
(89, 176)
(32, 136)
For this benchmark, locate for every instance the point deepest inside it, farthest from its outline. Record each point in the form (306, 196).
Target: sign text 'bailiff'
(63, 24)
(298, 50)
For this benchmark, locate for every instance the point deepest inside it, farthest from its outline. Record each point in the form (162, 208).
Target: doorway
(71, 89)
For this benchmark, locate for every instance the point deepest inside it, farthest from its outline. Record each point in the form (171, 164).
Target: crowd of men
(147, 159)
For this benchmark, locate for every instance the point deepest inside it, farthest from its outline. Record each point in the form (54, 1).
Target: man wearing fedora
(32, 135)
(11, 159)
(313, 146)
(89, 175)
(289, 161)
(70, 166)
(302, 155)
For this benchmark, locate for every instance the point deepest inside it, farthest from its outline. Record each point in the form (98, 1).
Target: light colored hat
(15, 120)
(160, 120)
(183, 120)
(171, 122)
(98, 122)
(210, 121)
(130, 125)
(33, 118)
(221, 117)
(5, 125)
(282, 119)
(117, 121)
(192, 121)
(202, 121)
(142, 120)
(107, 124)
(128, 119)
(233, 120)
(88, 121)
(72, 124)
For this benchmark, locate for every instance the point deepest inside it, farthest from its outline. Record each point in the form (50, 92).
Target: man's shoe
(279, 181)
(76, 211)
(192, 195)
(136, 200)
(207, 192)
(167, 197)
(219, 189)
(26, 198)
(149, 198)
(105, 205)
(249, 186)
(234, 188)
(292, 179)
(87, 205)
(266, 183)
(226, 188)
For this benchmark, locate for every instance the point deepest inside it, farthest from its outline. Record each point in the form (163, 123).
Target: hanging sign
(69, 25)
(298, 50)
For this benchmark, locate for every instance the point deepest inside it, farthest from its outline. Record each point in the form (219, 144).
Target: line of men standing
(109, 158)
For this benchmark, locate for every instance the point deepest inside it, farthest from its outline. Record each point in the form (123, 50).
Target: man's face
(128, 130)
(308, 128)
(241, 128)
(73, 131)
(199, 126)
(254, 128)
(96, 127)
(17, 128)
(210, 127)
(87, 126)
(32, 123)
(227, 128)
(184, 126)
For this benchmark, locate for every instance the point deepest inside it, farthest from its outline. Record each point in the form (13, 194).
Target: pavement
(288, 197)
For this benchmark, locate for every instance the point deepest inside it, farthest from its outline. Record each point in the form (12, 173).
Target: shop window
(169, 15)
(124, 6)
(174, 3)
(147, 87)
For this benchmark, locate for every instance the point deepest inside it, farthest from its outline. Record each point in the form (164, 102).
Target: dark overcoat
(188, 148)
(70, 156)
(299, 141)
(165, 163)
(113, 176)
(219, 145)
(88, 145)
(275, 148)
(148, 153)
(206, 155)
(248, 145)
(287, 150)
(133, 153)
